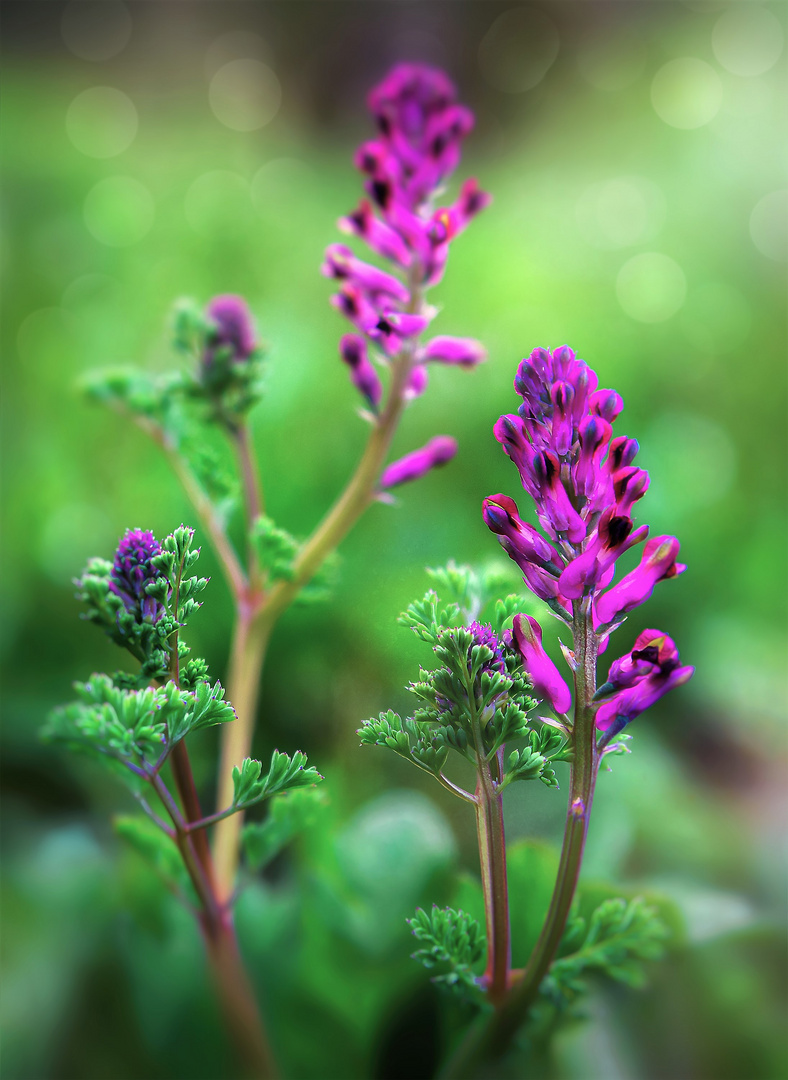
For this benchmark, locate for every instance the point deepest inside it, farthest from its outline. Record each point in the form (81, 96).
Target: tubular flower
(132, 572)
(639, 679)
(415, 464)
(420, 128)
(547, 680)
(585, 488)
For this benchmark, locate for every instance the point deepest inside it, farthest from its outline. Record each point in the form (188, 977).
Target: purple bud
(525, 545)
(548, 683)
(132, 572)
(635, 699)
(233, 326)
(455, 350)
(437, 452)
(342, 263)
(353, 350)
(417, 381)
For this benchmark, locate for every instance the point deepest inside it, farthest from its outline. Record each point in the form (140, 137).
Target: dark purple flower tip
(132, 572)
(641, 694)
(414, 465)
(233, 325)
(547, 680)
(353, 350)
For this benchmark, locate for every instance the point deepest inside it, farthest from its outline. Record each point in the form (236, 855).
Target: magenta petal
(454, 350)
(437, 452)
(545, 676)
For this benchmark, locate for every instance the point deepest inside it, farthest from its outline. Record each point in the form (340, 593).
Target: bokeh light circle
(651, 287)
(236, 45)
(518, 50)
(747, 40)
(690, 456)
(619, 212)
(101, 122)
(119, 211)
(686, 93)
(245, 95)
(280, 183)
(96, 29)
(612, 62)
(716, 318)
(769, 225)
(217, 204)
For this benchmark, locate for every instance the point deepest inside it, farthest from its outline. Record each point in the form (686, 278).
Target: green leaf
(618, 938)
(449, 937)
(284, 774)
(290, 813)
(156, 848)
(276, 549)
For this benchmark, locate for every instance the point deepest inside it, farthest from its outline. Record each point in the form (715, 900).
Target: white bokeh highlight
(96, 30)
(747, 40)
(619, 212)
(119, 211)
(769, 225)
(651, 287)
(102, 122)
(245, 95)
(518, 50)
(686, 93)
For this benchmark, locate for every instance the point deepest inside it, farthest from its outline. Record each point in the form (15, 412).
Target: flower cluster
(133, 571)
(420, 131)
(584, 484)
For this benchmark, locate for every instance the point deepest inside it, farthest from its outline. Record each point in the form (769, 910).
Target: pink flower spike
(353, 350)
(414, 465)
(467, 352)
(545, 676)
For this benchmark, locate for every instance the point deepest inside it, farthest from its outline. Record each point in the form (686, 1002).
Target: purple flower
(639, 679)
(547, 680)
(466, 352)
(353, 350)
(420, 128)
(585, 488)
(232, 326)
(437, 452)
(657, 563)
(132, 572)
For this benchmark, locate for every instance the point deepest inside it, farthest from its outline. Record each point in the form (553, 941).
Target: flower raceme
(420, 128)
(132, 571)
(585, 486)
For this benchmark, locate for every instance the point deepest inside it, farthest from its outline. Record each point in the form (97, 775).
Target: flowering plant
(492, 675)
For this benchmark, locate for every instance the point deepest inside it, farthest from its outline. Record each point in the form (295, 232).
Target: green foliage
(616, 941)
(275, 548)
(136, 727)
(449, 937)
(478, 698)
(284, 774)
(289, 814)
(157, 848)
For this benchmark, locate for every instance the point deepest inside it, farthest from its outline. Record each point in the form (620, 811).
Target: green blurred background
(636, 154)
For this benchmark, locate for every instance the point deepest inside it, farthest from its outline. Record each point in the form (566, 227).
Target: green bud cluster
(477, 697)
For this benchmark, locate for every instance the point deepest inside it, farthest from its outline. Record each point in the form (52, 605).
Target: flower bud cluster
(585, 486)
(133, 571)
(420, 131)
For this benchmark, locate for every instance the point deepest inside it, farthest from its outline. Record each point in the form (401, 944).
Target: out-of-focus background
(636, 153)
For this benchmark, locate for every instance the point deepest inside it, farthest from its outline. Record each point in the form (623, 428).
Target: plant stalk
(247, 655)
(492, 859)
(490, 1038)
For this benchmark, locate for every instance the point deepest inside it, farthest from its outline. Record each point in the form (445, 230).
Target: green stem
(250, 640)
(492, 859)
(489, 1039)
(258, 615)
